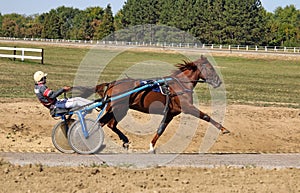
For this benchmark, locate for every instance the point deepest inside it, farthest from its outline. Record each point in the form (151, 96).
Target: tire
(89, 145)
(59, 137)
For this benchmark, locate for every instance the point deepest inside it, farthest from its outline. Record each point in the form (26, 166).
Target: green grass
(261, 81)
(16, 77)
(247, 81)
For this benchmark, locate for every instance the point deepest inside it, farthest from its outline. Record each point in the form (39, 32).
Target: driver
(49, 98)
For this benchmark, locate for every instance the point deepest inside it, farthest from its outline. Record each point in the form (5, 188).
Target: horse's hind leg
(113, 126)
(110, 119)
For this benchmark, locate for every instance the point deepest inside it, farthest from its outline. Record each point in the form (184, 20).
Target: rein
(200, 81)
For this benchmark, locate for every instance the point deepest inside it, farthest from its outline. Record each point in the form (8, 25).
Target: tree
(9, 27)
(182, 17)
(52, 25)
(92, 19)
(230, 21)
(202, 26)
(79, 26)
(33, 27)
(66, 19)
(1, 19)
(256, 27)
(106, 26)
(13, 25)
(218, 22)
(167, 12)
(234, 22)
(244, 22)
(119, 21)
(139, 12)
(210, 21)
(285, 26)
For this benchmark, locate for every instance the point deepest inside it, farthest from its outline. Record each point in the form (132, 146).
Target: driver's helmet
(38, 76)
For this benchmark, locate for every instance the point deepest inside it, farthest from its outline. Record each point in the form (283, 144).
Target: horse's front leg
(192, 110)
(164, 123)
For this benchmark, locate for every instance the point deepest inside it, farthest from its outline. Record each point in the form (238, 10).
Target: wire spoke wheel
(60, 136)
(86, 145)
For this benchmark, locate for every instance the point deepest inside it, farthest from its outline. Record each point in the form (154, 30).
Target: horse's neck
(188, 78)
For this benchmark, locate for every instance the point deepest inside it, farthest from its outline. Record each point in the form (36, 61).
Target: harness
(162, 88)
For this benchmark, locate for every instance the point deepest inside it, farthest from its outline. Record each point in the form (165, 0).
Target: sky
(29, 7)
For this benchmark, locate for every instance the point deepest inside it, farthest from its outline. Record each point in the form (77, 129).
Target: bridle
(202, 69)
(200, 80)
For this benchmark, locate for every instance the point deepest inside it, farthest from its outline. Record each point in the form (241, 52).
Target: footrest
(58, 111)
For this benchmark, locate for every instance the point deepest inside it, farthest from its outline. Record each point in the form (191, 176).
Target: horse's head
(207, 72)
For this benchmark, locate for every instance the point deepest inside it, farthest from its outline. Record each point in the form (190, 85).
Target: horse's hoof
(126, 146)
(225, 131)
(151, 149)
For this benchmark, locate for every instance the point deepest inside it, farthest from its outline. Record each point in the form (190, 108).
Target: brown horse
(176, 97)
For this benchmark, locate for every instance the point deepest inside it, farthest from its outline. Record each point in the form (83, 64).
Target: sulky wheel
(80, 143)
(59, 136)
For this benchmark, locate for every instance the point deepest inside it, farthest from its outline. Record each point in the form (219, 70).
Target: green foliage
(213, 21)
(92, 19)
(217, 21)
(210, 21)
(106, 27)
(52, 25)
(1, 18)
(119, 21)
(13, 25)
(285, 26)
(138, 12)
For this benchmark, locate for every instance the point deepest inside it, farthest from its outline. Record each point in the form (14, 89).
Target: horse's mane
(187, 65)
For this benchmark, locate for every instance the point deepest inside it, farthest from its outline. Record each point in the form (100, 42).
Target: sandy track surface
(268, 137)
(26, 126)
(39, 178)
(134, 160)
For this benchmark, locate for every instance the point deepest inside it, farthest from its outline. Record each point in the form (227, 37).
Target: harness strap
(161, 128)
(166, 109)
(184, 89)
(164, 89)
(167, 93)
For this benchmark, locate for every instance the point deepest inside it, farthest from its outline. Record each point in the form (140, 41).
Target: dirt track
(144, 161)
(25, 126)
(39, 178)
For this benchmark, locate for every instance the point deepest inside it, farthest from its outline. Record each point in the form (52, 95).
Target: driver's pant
(76, 102)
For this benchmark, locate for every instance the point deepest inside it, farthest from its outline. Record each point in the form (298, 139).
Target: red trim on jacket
(47, 92)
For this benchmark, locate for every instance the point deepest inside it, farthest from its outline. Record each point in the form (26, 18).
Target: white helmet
(38, 76)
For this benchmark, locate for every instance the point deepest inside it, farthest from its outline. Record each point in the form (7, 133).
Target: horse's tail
(83, 91)
(101, 89)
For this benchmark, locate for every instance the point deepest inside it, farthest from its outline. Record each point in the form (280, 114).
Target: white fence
(22, 55)
(216, 47)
